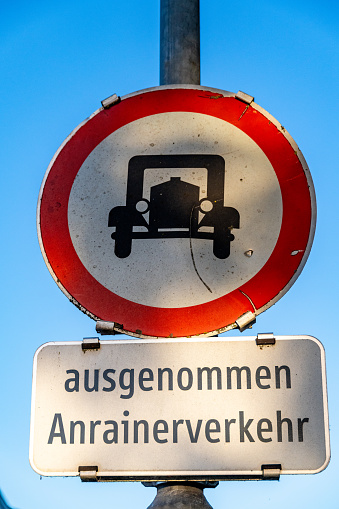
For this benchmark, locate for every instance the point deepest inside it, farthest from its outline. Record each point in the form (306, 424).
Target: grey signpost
(179, 42)
(180, 64)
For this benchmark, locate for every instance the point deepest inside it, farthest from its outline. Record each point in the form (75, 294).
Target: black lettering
(82, 431)
(244, 428)
(287, 376)
(129, 386)
(96, 381)
(145, 375)
(228, 423)
(261, 429)
(194, 437)
(209, 429)
(189, 379)
(156, 431)
(259, 377)
(175, 430)
(301, 423)
(170, 378)
(238, 372)
(209, 372)
(53, 434)
(136, 434)
(280, 421)
(109, 379)
(92, 430)
(114, 431)
(74, 381)
(125, 425)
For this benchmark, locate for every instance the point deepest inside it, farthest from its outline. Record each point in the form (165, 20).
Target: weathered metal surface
(173, 213)
(169, 409)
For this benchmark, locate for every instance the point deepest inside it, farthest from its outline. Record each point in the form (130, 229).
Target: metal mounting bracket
(202, 484)
(90, 344)
(110, 101)
(88, 474)
(271, 472)
(245, 321)
(265, 339)
(108, 328)
(245, 98)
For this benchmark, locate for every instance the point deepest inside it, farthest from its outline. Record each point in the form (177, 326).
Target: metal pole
(179, 42)
(180, 64)
(180, 495)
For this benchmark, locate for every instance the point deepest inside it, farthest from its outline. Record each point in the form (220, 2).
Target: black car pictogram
(174, 205)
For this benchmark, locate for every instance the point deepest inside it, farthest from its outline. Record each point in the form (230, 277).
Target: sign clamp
(108, 328)
(265, 339)
(88, 473)
(246, 321)
(246, 98)
(90, 344)
(110, 101)
(271, 472)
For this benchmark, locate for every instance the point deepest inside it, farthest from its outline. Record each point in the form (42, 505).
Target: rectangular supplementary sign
(214, 407)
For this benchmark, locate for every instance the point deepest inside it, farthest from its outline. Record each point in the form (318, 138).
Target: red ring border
(99, 302)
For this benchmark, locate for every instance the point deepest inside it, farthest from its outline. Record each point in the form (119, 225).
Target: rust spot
(243, 113)
(211, 96)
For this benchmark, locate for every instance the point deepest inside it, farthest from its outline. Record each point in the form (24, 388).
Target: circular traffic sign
(176, 211)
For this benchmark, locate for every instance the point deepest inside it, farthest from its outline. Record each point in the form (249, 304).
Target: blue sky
(58, 61)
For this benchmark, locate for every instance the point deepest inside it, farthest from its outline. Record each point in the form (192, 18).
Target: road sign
(198, 407)
(176, 211)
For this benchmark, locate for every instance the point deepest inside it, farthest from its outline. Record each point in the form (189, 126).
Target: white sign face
(199, 407)
(181, 271)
